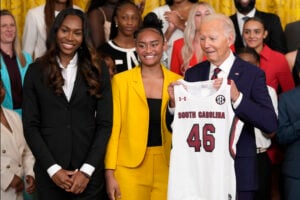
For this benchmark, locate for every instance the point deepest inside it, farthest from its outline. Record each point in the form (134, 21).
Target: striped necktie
(215, 74)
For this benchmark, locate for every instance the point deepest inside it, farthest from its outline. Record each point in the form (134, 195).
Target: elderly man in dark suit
(249, 95)
(289, 134)
(246, 9)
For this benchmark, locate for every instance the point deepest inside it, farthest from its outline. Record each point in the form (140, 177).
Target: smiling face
(254, 34)
(7, 29)
(127, 19)
(150, 47)
(214, 41)
(69, 36)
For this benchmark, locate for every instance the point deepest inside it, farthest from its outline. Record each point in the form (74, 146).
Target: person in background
(273, 63)
(293, 59)
(38, 23)
(245, 9)
(14, 62)
(126, 20)
(262, 140)
(16, 158)
(187, 51)
(174, 14)
(67, 112)
(249, 95)
(288, 134)
(138, 151)
(278, 76)
(100, 17)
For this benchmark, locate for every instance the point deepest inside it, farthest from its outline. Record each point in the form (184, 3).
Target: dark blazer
(275, 39)
(255, 110)
(289, 131)
(67, 133)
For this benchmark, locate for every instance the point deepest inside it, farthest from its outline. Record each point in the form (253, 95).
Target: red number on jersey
(194, 140)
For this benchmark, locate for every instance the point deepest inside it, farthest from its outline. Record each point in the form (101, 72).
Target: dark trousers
(264, 177)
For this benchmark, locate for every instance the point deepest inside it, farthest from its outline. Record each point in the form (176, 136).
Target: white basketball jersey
(205, 133)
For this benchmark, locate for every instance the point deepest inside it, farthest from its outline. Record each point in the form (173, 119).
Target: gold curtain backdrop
(288, 10)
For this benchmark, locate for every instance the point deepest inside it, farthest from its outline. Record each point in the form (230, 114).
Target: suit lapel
(205, 75)
(79, 82)
(137, 84)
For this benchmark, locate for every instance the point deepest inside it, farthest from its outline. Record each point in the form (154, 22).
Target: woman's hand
(30, 184)
(112, 185)
(17, 184)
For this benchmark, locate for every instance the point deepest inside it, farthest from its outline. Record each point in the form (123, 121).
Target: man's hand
(217, 83)
(234, 92)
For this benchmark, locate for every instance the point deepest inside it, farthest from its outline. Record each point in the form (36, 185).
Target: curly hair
(88, 60)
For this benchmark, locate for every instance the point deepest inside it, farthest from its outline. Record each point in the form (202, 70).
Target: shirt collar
(72, 63)
(265, 53)
(226, 65)
(250, 14)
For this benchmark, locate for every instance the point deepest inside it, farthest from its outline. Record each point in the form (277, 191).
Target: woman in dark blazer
(67, 112)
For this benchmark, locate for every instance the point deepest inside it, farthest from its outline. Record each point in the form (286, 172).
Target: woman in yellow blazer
(138, 151)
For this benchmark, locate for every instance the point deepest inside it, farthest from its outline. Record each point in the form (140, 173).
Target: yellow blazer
(128, 142)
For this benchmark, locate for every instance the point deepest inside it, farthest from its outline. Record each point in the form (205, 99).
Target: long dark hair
(88, 60)
(114, 28)
(49, 12)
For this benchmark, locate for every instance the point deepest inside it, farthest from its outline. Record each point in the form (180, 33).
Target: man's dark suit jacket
(255, 109)
(66, 133)
(275, 39)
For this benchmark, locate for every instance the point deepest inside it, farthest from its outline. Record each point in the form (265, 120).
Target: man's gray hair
(228, 26)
